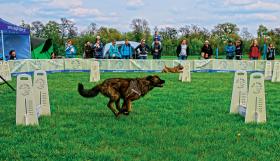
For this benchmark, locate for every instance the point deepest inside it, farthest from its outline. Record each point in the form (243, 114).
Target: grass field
(182, 121)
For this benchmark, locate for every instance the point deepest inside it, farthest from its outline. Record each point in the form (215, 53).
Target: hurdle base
(242, 111)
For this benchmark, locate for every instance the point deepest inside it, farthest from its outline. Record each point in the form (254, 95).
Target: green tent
(41, 48)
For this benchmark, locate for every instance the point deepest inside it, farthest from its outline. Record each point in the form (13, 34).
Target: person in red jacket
(255, 53)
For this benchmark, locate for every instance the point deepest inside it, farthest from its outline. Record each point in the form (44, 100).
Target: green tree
(37, 28)
(140, 28)
(52, 30)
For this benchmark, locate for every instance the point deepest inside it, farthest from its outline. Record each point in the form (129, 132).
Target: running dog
(176, 69)
(122, 88)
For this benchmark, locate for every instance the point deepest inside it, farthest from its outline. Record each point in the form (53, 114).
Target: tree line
(66, 29)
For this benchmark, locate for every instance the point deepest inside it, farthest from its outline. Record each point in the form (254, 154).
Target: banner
(84, 65)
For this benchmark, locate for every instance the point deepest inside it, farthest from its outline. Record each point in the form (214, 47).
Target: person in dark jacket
(156, 49)
(238, 50)
(270, 54)
(230, 50)
(157, 36)
(183, 50)
(98, 50)
(88, 51)
(206, 50)
(13, 55)
(142, 50)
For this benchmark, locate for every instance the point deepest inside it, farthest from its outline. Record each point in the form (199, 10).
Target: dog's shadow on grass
(111, 115)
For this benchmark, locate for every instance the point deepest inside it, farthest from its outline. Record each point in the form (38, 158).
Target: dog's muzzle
(161, 83)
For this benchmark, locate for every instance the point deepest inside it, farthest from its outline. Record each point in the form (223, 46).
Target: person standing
(70, 51)
(270, 54)
(157, 36)
(156, 49)
(183, 50)
(255, 53)
(114, 51)
(98, 49)
(238, 50)
(13, 55)
(53, 55)
(88, 51)
(230, 50)
(142, 50)
(206, 50)
(126, 50)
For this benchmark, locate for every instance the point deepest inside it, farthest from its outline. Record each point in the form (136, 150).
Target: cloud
(176, 13)
(64, 3)
(239, 2)
(134, 4)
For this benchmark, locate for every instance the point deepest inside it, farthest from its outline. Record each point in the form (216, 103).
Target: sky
(161, 13)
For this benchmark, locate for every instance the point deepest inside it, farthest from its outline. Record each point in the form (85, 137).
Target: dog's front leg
(111, 107)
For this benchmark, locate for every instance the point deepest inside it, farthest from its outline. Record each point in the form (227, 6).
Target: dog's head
(155, 81)
(180, 67)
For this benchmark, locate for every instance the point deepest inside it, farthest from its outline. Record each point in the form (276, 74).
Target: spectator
(270, 54)
(238, 50)
(114, 51)
(53, 56)
(98, 38)
(88, 50)
(98, 49)
(157, 37)
(70, 50)
(206, 50)
(156, 49)
(13, 55)
(126, 50)
(183, 50)
(142, 50)
(230, 50)
(255, 53)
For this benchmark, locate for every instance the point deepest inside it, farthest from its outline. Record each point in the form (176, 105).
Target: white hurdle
(256, 108)
(94, 72)
(249, 103)
(5, 71)
(276, 72)
(41, 93)
(268, 70)
(186, 75)
(239, 93)
(25, 102)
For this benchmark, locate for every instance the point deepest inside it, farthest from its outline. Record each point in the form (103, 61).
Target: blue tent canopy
(16, 38)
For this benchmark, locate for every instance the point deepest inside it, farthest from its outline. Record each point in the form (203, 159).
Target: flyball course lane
(182, 121)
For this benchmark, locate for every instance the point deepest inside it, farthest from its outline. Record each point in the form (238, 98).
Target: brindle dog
(176, 69)
(122, 88)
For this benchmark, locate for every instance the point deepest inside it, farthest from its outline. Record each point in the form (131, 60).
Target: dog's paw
(118, 115)
(126, 113)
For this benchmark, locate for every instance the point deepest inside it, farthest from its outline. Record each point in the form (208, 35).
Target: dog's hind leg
(118, 106)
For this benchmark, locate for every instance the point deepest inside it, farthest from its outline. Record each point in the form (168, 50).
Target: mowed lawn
(182, 121)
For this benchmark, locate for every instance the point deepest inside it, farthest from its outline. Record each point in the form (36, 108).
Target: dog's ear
(149, 78)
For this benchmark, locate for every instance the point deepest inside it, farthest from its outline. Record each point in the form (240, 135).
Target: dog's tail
(88, 92)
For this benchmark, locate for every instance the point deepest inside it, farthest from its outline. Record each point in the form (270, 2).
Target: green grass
(182, 121)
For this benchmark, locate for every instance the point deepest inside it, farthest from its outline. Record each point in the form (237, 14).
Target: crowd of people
(233, 50)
